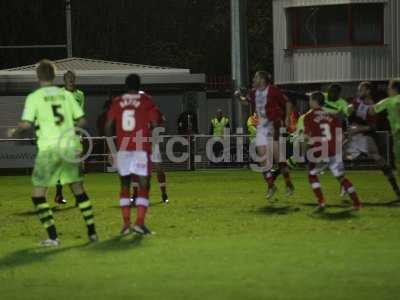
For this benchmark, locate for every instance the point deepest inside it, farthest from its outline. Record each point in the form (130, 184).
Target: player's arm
(350, 109)
(155, 117)
(83, 101)
(379, 107)
(110, 122)
(359, 129)
(108, 127)
(307, 130)
(344, 108)
(27, 120)
(77, 111)
(22, 128)
(243, 95)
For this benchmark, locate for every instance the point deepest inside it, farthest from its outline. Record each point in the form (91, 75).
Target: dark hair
(45, 70)
(132, 82)
(336, 86)
(367, 85)
(69, 72)
(318, 97)
(265, 75)
(370, 87)
(395, 84)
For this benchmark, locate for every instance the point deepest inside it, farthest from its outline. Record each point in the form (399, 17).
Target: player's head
(132, 83)
(45, 71)
(69, 80)
(220, 114)
(394, 88)
(334, 92)
(262, 79)
(365, 89)
(317, 100)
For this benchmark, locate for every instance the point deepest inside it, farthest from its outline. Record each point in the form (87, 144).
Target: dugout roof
(100, 72)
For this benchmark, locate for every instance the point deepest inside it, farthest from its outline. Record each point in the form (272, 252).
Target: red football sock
(125, 204)
(348, 186)
(142, 204)
(316, 186)
(126, 215)
(141, 210)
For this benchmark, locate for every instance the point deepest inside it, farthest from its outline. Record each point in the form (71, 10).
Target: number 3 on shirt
(128, 120)
(326, 131)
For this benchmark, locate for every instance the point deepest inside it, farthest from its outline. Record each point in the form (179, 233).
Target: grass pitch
(217, 239)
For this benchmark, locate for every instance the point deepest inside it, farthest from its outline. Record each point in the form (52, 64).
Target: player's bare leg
(86, 209)
(142, 205)
(125, 203)
(284, 169)
(388, 172)
(262, 152)
(59, 198)
(45, 215)
(162, 182)
(350, 190)
(135, 188)
(316, 186)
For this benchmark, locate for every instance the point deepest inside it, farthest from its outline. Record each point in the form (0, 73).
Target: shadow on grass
(133, 207)
(314, 205)
(277, 210)
(32, 255)
(118, 243)
(393, 204)
(335, 216)
(55, 210)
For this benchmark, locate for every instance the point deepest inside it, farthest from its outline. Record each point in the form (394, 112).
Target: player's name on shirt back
(322, 116)
(130, 100)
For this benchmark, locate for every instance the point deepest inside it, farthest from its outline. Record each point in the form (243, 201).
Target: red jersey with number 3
(324, 127)
(133, 115)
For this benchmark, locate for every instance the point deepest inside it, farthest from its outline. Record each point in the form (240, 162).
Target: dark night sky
(181, 33)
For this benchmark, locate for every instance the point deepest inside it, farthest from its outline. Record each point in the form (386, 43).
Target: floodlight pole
(239, 55)
(69, 27)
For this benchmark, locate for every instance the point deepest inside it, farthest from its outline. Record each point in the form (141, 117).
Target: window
(336, 25)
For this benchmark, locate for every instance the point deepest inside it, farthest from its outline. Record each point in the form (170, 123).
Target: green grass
(218, 239)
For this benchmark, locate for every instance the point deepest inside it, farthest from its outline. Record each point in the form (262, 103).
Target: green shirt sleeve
(81, 99)
(344, 107)
(382, 105)
(29, 113)
(76, 109)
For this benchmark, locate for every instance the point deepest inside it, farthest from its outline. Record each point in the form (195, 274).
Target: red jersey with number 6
(323, 127)
(133, 115)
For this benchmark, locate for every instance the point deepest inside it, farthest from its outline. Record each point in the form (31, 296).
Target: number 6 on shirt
(128, 120)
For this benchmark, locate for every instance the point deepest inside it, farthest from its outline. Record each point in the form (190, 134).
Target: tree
(191, 34)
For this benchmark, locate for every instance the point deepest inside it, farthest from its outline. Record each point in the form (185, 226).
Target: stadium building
(318, 42)
(174, 90)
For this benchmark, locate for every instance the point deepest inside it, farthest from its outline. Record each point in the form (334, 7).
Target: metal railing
(20, 153)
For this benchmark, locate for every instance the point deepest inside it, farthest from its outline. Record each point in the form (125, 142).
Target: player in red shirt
(362, 134)
(321, 131)
(134, 115)
(269, 103)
